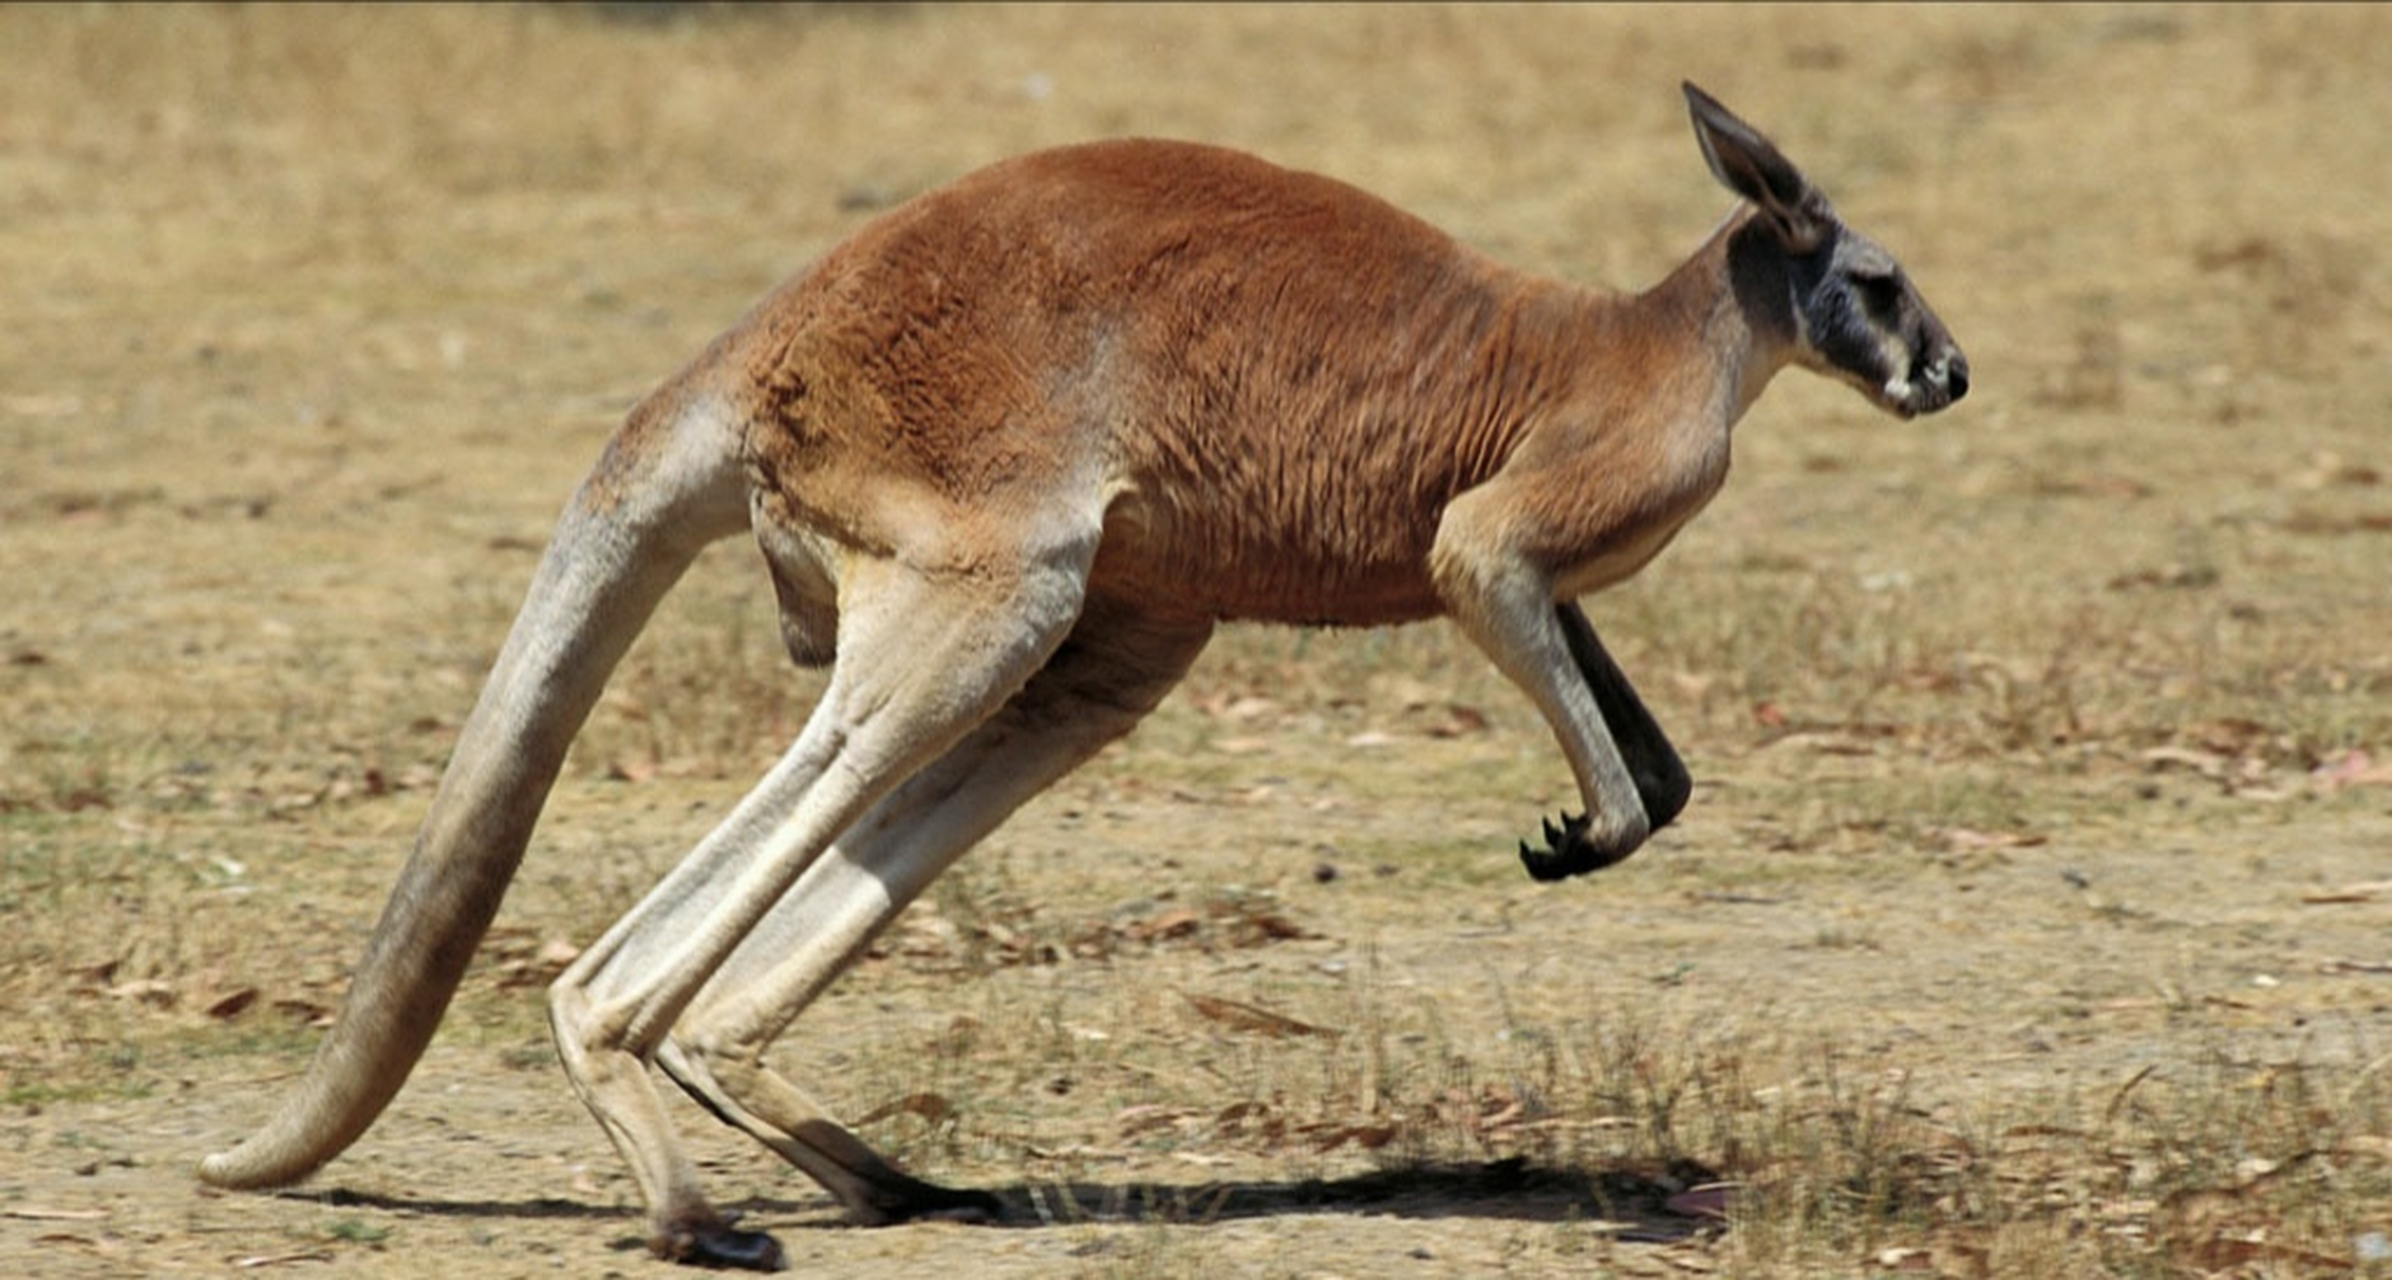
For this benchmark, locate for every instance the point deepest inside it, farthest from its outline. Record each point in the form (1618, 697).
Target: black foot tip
(725, 1247)
(1568, 852)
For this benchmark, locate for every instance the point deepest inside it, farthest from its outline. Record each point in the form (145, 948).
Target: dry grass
(2023, 925)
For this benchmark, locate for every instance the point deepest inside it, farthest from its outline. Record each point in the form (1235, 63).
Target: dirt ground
(2031, 917)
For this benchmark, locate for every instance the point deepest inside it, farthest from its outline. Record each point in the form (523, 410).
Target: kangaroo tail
(670, 483)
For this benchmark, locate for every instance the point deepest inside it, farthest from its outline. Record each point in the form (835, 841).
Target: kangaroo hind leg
(924, 658)
(1107, 675)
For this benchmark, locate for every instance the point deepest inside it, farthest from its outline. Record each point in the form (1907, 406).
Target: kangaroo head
(1855, 315)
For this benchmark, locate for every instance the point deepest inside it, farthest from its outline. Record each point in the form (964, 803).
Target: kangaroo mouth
(1927, 388)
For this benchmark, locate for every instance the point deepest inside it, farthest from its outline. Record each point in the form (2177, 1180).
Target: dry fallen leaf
(282, 1259)
(1246, 1017)
(1965, 839)
(1177, 923)
(37, 1213)
(232, 1004)
(2367, 892)
(931, 1107)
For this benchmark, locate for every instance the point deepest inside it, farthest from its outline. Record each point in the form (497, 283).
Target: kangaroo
(1010, 454)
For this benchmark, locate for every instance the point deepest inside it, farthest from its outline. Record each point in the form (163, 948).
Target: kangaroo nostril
(1949, 374)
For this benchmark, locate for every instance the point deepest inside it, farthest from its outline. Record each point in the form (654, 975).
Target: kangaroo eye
(1880, 293)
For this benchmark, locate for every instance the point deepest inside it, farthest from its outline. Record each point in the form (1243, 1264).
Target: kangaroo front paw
(1573, 849)
(721, 1245)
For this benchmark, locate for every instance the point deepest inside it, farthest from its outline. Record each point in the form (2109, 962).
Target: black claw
(1542, 866)
(1569, 852)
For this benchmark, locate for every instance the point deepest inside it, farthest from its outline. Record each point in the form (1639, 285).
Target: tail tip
(234, 1171)
(218, 1169)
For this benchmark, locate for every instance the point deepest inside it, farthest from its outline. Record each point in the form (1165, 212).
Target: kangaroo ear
(1752, 167)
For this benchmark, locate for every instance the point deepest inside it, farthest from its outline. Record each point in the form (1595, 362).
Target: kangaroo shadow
(1645, 1205)
(1510, 1189)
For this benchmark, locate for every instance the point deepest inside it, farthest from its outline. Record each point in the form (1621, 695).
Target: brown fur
(1248, 350)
